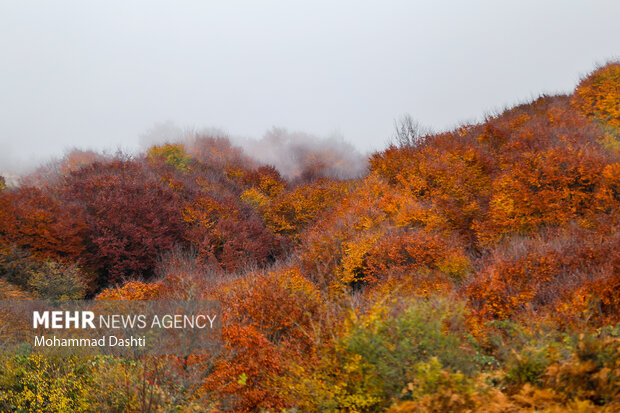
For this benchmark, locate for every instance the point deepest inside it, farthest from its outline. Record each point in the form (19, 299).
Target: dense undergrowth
(471, 270)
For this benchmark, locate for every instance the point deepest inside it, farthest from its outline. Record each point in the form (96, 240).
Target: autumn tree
(549, 188)
(132, 290)
(173, 155)
(35, 221)
(408, 132)
(131, 217)
(218, 152)
(292, 211)
(228, 235)
(597, 95)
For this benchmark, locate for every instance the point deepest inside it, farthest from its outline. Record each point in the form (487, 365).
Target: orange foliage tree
(598, 95)
(548, 188)
(270, 319)
(132, 290)
(290, 213)
(562, 269)
(37, 222)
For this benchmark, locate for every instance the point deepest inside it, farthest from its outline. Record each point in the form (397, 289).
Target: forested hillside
(471, 270)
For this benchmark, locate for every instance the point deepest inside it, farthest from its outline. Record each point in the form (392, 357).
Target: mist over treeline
(293, 154)
(297, 156)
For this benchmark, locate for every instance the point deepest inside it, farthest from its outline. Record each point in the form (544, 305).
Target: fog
(102, 74)
(292, 153)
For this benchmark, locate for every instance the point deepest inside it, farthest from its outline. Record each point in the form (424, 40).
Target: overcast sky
(98, 74)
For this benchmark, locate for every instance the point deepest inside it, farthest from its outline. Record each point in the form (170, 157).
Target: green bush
(527, 366)
(399, 349)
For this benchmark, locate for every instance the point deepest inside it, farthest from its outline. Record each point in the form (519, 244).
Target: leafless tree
(408, 132)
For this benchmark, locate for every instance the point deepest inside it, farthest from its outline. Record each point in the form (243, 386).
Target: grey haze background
(100, 74)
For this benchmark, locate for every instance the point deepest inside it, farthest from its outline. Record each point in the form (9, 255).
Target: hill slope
(472, 270)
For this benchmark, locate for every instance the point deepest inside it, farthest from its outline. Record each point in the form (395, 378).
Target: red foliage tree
(228, 235)
(218, 153)
(131, 217)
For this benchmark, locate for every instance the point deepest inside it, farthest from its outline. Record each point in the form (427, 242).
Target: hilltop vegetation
(471, 270)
